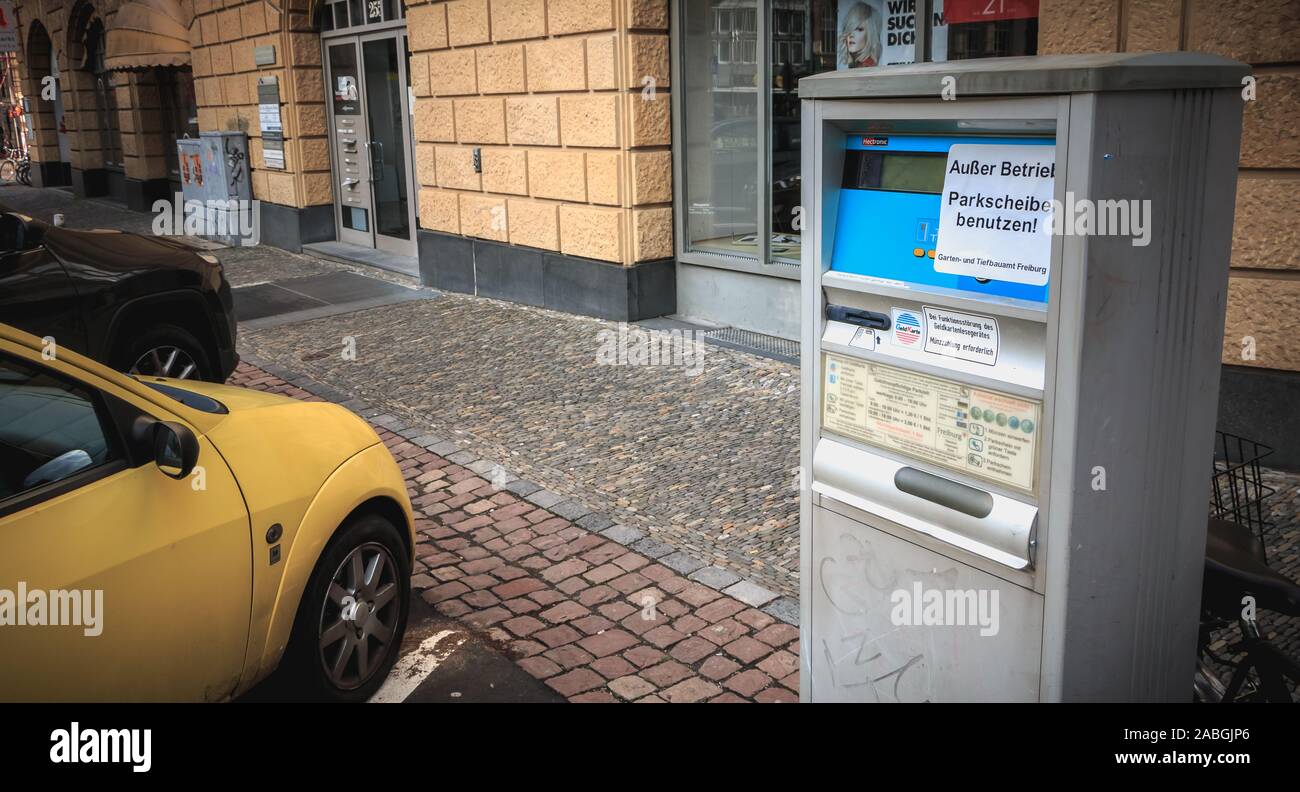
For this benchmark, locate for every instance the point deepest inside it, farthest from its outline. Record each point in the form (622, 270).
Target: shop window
(720, 86)
(741, 186)
(180, 112)
(997, 29)
(105, 92)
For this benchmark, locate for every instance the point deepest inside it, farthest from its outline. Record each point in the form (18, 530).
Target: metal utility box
(1008, 411)
(215, 173)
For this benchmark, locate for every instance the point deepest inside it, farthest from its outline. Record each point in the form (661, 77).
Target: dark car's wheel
(165, 351)
(352, 615)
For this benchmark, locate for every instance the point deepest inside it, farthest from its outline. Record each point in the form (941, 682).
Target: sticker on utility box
(908, 330)
(961, 335)
(995, 218)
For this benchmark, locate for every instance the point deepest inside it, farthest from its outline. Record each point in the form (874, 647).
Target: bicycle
(15, 164)
(1238, 582)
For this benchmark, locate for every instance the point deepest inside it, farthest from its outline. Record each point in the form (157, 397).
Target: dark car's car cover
(78, 285)
(114, 250)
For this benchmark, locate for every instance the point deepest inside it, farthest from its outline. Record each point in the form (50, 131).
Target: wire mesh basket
(1239, 491)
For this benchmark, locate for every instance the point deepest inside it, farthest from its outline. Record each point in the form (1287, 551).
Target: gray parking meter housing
(1092, 559)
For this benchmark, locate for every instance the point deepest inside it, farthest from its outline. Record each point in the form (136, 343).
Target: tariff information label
(980, 432)
(995, 218)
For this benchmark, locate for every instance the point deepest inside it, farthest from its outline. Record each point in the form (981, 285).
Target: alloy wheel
(359, 616)
(166, 361)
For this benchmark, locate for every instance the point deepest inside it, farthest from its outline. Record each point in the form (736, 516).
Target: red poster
(958, 12)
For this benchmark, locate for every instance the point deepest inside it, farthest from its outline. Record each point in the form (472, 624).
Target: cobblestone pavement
(594, 613)
(703, 463)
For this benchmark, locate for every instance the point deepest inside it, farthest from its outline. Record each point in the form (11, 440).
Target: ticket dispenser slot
(966, 366)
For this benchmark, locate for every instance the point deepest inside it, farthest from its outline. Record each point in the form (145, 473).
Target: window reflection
(992, 30)
(720, 77)
(807, 38)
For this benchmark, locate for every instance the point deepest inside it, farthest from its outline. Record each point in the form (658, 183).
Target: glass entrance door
(371, 138)
(386, 115)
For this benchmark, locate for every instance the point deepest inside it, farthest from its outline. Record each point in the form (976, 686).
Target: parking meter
(1014, 283)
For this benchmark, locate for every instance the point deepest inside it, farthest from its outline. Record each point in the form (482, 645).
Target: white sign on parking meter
(8, 28)
(995, 219)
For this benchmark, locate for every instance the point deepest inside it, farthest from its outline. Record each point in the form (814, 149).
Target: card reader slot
(858, 316)
(945, 492)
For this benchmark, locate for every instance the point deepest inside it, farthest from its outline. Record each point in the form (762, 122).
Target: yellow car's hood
(281, 449)
(234, 398)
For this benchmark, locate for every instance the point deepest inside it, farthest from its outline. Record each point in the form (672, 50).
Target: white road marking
(415, 666)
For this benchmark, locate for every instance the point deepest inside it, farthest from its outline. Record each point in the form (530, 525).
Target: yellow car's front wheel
(353, 613)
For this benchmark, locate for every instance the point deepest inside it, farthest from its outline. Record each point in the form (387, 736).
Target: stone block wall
(565, 105)
(226, 79)
(1264, 291)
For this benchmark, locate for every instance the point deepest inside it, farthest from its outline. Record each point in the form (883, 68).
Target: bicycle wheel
(25, 173)
(7, 170)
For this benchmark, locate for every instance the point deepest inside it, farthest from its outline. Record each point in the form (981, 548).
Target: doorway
(370, 139)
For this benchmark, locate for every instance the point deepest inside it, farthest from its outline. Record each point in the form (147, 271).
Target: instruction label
(995, 217)
(979, 432)
(961, 335)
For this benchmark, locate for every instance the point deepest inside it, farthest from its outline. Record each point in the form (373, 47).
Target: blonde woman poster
(859, 34)
(871, 33)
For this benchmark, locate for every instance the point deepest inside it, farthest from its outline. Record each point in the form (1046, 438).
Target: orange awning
(148, 33)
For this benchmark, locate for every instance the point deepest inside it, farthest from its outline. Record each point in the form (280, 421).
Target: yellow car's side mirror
(172, 446)
(176, 449)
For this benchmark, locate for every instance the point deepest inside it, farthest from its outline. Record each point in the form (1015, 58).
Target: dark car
(144, 305)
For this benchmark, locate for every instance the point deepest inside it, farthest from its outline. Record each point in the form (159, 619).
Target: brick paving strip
(585, 605)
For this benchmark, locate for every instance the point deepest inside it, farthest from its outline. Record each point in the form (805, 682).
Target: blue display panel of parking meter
(888, 221)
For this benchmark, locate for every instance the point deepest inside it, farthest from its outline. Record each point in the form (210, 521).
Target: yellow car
(176, 540)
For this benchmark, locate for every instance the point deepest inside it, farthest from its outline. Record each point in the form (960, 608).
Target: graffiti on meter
(995, 218)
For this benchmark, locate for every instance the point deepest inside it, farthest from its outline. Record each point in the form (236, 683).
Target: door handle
(376, 169)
